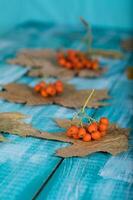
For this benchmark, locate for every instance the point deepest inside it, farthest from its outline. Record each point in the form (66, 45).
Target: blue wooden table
(28, 167)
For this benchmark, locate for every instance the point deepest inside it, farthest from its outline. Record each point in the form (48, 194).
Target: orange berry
(42, 84)
(68, 133)
(84, 62)
(96, 135)
(102, 127)
(59, 87)
(104, 120)
(58, 83)
(44, 93)
(73, 130)
(94, 64)
(37, 88)
(92, 127)
(87, 138)
(75, 136)
(103, 133)
(88, 64)
(62, 61)
(71, 52)
(51, 90)
(79, 65)
(71, 58)
(81, 132)
(68, 65)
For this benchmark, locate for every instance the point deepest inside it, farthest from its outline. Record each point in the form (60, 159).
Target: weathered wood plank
(88, 178)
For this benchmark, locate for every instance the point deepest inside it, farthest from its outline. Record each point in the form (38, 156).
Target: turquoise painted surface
(105, 13)
(28, 167)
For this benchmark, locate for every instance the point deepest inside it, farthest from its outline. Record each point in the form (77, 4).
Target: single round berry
(71, 52)
(104, 120)
(51, 90)
(62, 61)
(44, 93)
(92, 127)
(94, 65)
(87, 138)
(96, 135)
(68, 65)
(69, 134)
(42, 84)
(37, 88)
(88, 64)
(81, 132)
(75, 136)
(102, 127)
(73, 130)
(59, 87)
(58, 83)
(79, 65)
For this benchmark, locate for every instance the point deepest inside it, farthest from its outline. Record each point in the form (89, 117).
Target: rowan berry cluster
(93, 131)
(73, 59)
(51, 89)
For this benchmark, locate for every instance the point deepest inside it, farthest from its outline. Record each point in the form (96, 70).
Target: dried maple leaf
(39, 53)
(129, 72)
(44, 63)
(114, 142)
(11, 123)
(72, 98)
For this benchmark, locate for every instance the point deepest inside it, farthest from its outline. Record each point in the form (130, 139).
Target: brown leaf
(72, 98)
(114, 142)
(129, 72)
(49, 136)
(127, 44)
(11, 123)
(39, 53)
(66, 123)
(51, 71)
(78, 98)
(44, 63)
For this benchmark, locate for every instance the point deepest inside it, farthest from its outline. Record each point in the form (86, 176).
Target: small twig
(82, 111)
(87, 36)
(84, 22)
(87, 100)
